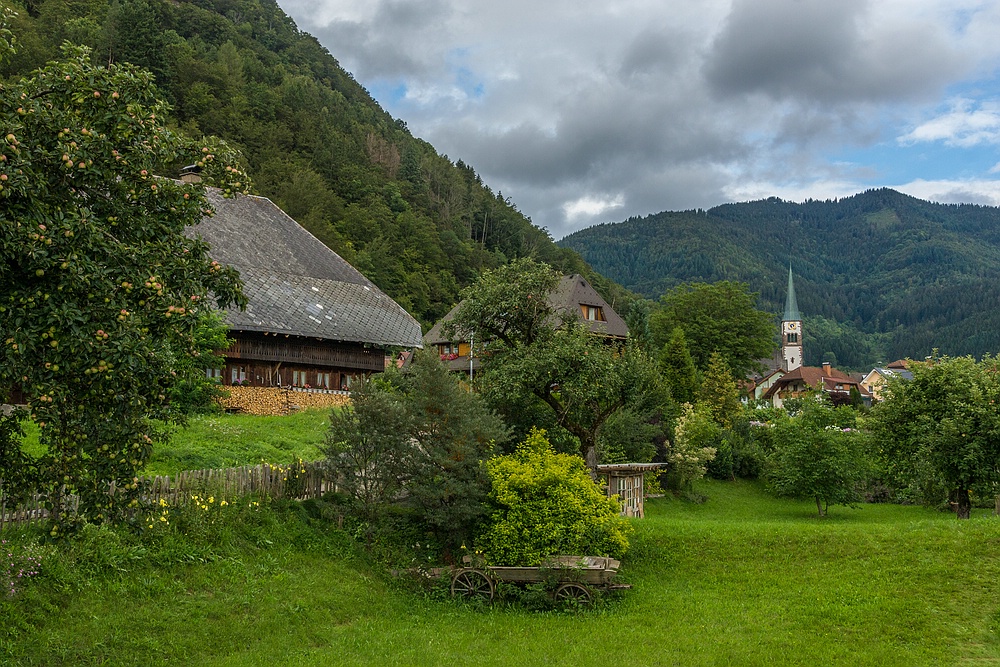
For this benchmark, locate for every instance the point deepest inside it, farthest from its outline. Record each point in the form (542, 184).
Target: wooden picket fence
(297, 481)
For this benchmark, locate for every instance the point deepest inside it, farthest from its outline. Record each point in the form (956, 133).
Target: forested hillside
(420, 226)
(879, 275)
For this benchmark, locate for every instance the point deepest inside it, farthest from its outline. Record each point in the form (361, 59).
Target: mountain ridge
(880, 275)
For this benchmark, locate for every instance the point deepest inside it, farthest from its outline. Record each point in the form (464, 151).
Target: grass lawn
(223, 441)
(742, 579)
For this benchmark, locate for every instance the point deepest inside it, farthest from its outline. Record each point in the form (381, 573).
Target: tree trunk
(964, 507)
(819, 507)
(590, 455)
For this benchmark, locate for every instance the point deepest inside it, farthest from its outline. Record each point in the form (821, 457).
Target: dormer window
(592, 313)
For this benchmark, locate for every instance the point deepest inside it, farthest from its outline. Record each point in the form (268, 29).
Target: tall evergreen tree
(677, 368)
(720, 393)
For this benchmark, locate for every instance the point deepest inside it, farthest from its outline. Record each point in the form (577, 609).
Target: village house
(573, 294)
(876, 379)
(835, 384)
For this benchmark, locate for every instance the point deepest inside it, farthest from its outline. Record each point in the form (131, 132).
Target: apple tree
(543, 367)
(939, 432)
(101, 292)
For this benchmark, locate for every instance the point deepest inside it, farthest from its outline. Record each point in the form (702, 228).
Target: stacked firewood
(278, 401)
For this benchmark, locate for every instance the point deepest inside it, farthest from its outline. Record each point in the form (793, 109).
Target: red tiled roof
(813, 376)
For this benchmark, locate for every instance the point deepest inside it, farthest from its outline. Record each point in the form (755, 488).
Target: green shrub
(547, 504)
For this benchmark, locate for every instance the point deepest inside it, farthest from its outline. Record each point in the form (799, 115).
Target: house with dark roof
(573, 294)
(876, 379)
(803, 380)
(312, 320)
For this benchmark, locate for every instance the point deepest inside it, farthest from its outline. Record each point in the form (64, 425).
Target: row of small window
(238, 375)
(792, 338)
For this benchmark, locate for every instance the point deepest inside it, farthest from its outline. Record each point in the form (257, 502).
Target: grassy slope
(742, 579)
(222, 441)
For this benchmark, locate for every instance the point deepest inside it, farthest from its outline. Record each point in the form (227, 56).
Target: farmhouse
(313, 320)
(573, 294)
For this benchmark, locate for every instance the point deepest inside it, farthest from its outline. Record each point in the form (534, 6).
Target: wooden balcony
(299, 351)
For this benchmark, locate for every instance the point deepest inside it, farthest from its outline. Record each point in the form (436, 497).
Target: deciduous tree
(101, 292)
(941, 430)
(534, 354)
(717, 318)
(817, 454)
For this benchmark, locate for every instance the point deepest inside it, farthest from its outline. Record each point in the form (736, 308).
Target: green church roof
(791, 306)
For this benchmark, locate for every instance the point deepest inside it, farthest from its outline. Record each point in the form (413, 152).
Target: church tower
(791, 329)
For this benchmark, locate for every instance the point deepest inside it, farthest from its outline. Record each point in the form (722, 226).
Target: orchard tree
(720, 318)
(817, 454)
(940, 431)
(535, 354)
(101, 293)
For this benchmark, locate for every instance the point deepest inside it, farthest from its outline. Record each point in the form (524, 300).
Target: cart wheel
(472, 584)
(574, 593)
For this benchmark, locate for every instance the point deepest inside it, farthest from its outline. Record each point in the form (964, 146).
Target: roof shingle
(294, 283)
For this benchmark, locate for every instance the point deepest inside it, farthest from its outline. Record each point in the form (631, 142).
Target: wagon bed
(577, 576)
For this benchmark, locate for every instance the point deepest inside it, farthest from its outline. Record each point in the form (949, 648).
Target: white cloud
(673, 105)
(966, 124)
(973, 191)
(592, 207)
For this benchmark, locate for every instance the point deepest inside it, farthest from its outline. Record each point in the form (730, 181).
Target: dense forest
(879, 275)
(417, 224)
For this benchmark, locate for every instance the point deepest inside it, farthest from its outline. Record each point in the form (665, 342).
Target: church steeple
(791, 329)
(791, 305)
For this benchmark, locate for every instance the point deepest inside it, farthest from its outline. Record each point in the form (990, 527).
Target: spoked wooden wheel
(573, 593)
(472, 585)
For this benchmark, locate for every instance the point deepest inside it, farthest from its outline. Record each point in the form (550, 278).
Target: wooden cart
(576, 578)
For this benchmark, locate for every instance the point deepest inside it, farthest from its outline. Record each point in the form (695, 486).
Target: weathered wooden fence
(295, 481)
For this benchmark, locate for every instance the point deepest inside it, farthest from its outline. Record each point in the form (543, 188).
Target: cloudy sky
(585, 112)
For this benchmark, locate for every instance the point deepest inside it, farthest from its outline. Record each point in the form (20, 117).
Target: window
(793, 338)
(299, 379)
(592, 313)
(214, 374)
(238, 374)
(323, 380)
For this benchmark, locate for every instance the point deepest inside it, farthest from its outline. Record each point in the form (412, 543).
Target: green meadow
(741, 579)
(223, 440)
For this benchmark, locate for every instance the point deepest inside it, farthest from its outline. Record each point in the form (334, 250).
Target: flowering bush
(547, 504)
(17, 565)
(692, 448)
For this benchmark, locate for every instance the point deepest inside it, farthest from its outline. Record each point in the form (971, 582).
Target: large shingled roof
(296, 285)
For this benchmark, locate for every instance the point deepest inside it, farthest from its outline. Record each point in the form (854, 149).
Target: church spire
(791, 305)
(791, 329)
